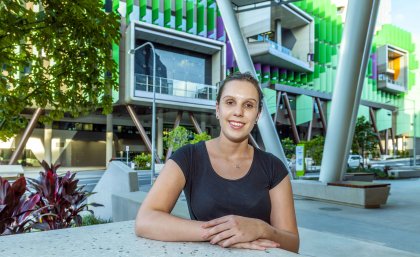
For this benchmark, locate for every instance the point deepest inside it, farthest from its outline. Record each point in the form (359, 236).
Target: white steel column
(47, 143)
(109, 138)
(160, 133)
(266, 127)
(353, 59)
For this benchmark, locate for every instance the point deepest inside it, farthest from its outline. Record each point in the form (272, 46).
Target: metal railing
(276, 46)
(175, 87)
(384, 77)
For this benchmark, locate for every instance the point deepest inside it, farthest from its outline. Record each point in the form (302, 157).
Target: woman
(238, 196)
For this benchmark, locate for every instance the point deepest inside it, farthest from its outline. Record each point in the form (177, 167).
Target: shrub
(90, 219)
(61, 200)
(16, 209)
(203, 136)
(143, 161)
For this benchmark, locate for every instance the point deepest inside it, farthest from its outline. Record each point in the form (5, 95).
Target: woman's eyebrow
(247, 99)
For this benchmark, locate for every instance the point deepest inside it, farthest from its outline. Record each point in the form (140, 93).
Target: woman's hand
(231, 230)
(259, 244)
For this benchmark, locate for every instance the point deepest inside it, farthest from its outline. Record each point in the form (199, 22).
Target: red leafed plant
(16, 209)
(61, 200)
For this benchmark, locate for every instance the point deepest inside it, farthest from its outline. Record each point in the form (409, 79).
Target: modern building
(294, 47)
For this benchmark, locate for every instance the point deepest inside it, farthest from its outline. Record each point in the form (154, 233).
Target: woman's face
(237, 110)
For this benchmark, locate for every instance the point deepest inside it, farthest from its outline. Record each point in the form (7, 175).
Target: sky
(405, 15)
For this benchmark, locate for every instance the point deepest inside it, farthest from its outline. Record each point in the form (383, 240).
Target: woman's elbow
(142, 225)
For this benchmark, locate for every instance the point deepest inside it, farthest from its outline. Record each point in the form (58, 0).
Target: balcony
(392, 69)
(174, 93)
(266, 51)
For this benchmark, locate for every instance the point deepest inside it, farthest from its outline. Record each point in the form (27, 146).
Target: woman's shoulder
(267, 157)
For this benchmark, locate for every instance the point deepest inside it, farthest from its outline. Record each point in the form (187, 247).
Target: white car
(354, 161)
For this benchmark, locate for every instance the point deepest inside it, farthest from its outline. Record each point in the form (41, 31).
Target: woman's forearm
(162, 226)
(287, 240)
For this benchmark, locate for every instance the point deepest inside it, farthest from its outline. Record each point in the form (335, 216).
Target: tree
(55, 55)
(315, 148)
(180, 136)
(289, 147)
(364, 139)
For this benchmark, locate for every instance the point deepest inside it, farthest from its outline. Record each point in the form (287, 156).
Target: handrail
(175, 87)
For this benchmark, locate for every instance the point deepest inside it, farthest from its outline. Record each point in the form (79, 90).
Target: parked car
(354, 161)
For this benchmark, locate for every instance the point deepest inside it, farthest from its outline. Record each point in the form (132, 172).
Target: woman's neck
(231, 149)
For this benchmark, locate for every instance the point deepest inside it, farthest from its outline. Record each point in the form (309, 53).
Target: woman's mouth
(236, 124)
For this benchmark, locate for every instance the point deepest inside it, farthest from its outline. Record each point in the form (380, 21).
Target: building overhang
(170, 37)
(267, 53)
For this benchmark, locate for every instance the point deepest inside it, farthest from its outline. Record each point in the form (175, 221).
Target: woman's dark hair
(246, 76)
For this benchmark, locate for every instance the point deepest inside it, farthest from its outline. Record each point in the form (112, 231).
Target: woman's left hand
(229, 230)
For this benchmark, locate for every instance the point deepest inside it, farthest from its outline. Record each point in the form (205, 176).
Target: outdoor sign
(300, 157)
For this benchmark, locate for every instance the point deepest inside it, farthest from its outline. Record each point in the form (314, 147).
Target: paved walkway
(396, 225)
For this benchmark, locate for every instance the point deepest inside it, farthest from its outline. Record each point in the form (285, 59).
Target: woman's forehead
(240, 88)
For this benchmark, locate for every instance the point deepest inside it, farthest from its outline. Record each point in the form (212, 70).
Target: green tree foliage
(143, 160)
(203, 136)
(181, 136)
(56, 55)
(289, 147)
(315, 148)
(364, 139)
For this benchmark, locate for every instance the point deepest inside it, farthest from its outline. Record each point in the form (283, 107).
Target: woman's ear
(217, 110)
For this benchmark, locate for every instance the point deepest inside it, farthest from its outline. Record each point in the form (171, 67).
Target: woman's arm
(283, 228)
(154, 220)
(230, 230)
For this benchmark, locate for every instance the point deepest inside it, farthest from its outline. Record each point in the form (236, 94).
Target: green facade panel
(304, 109)
(270, 98)
(383, 119)
(190, 16)
(363, 112)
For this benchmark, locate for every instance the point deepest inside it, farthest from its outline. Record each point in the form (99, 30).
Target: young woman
(238, 196)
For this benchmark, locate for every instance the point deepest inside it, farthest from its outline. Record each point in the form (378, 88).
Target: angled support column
(265, 123)
(291, 118)
(195, 123)
(141, 130)
(253, 141)
(394, 143)
(375, 129)
(353, 58)
(321, 115)
(277, 107)
(176, 124)
(309, 134)
(28, 132)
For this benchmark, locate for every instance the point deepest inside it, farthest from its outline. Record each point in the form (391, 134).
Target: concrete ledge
(11, 171)
(114, 239)
(126, 205)
(118, 178)
(406, 172)
(359, 176)
(355, 193)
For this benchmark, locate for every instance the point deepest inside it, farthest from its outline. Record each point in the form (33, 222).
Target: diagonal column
(28, 132)
(265, 123)
(354, 53)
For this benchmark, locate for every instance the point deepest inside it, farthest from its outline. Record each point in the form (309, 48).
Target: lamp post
(132, 51)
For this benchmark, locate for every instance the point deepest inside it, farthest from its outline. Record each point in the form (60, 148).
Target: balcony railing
(276, 46)
(175, 87)
(383, 77)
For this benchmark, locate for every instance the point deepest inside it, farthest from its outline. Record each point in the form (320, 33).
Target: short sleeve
(183, 157)
(278, 171)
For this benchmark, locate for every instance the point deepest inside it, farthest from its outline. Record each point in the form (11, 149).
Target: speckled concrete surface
(114, 239)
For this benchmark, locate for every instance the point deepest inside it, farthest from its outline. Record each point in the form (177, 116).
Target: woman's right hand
(259, 244)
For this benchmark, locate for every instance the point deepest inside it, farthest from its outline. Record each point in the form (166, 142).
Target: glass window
(174, 63)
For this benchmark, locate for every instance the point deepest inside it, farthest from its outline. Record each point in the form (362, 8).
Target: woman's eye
(249, 106)
(229, 102)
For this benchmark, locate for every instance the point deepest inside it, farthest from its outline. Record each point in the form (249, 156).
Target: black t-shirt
(211, 196)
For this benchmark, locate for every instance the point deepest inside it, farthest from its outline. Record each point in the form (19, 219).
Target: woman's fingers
(266, 243)
(215, 222)
(248, 245)
(225, 235)
(212, 232)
